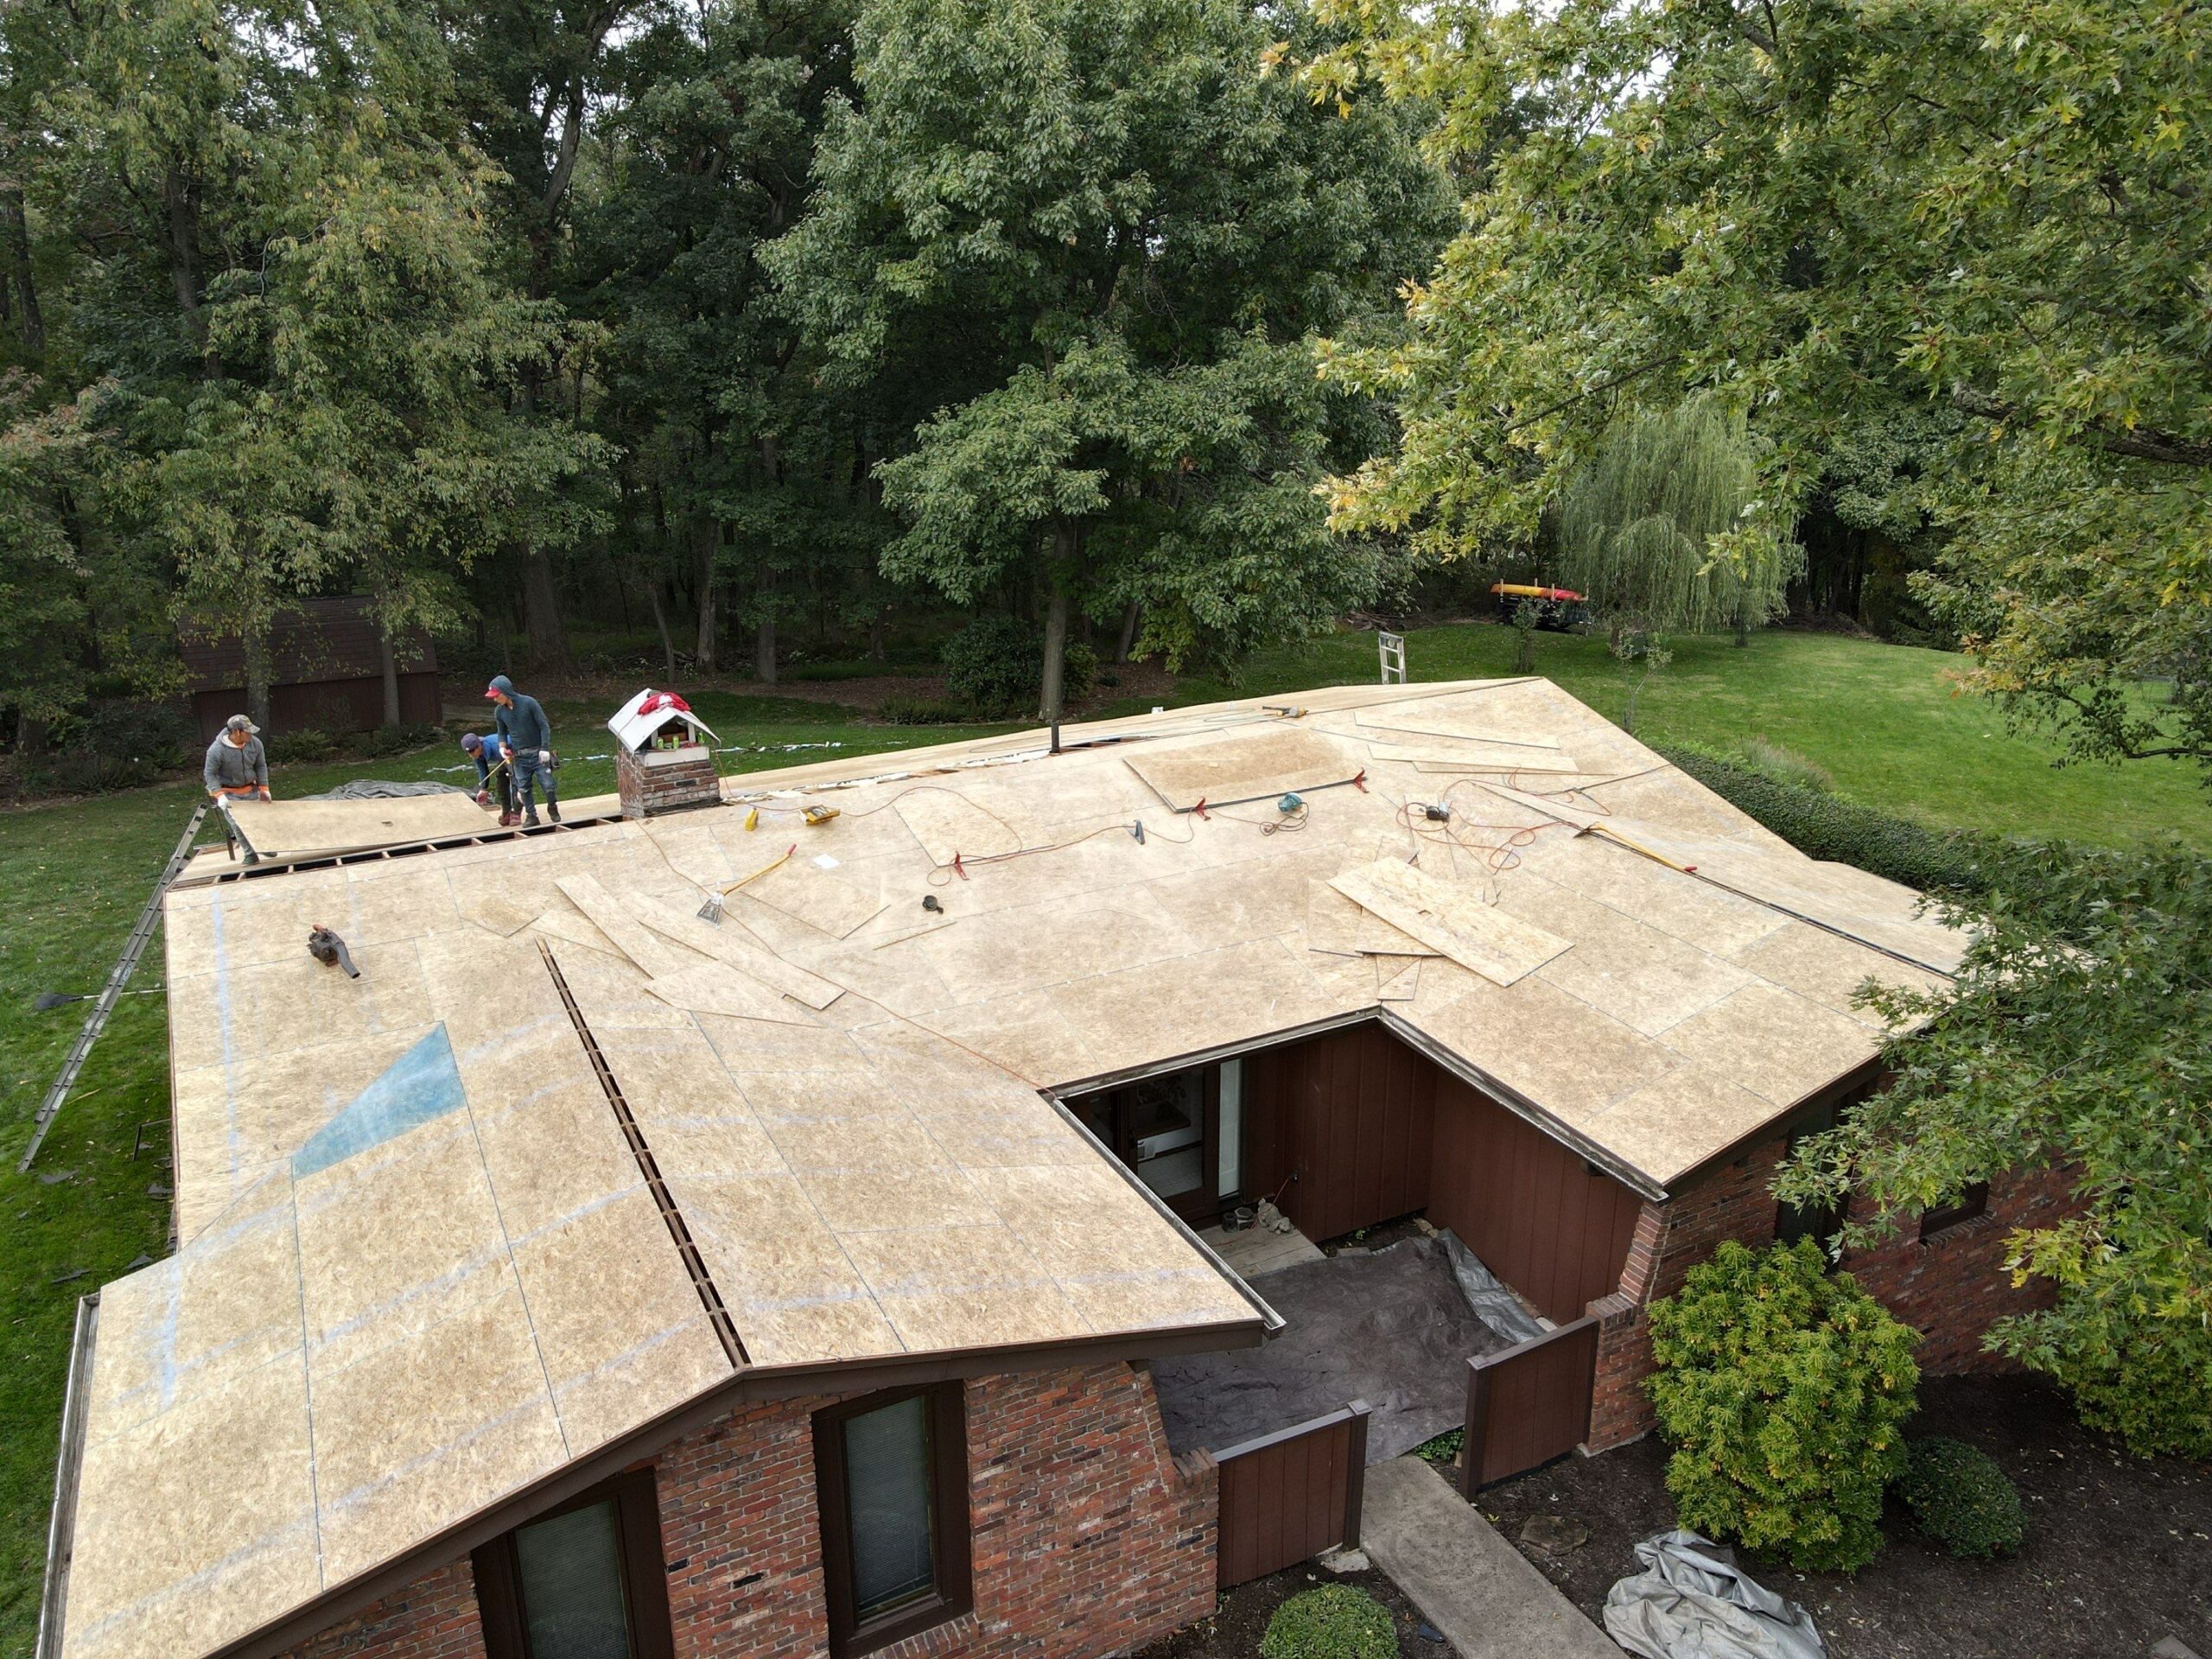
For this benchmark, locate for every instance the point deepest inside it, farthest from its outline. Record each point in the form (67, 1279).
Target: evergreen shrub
(1783, 1390)
(1961, 1498)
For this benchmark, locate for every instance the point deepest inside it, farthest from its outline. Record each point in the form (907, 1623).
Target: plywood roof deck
(422, 1267)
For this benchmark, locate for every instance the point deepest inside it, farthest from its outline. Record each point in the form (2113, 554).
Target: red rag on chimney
(660, 700)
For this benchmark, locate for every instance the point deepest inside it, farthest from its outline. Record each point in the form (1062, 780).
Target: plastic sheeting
(1692, 1601)
(1494, 1305)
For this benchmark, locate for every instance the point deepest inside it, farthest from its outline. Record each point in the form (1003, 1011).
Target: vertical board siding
(1349, 1114)
(1287, 1497)
(1529, 1404)
(1529, 1207)
(1373, 1130)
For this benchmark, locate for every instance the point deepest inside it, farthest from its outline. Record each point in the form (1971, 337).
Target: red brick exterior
(1950, 1288)
(1954, 1287)
(1087, 1539)
(434, 1617)
(665, 780)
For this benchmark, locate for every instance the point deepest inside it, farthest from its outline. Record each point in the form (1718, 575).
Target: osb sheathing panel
(282, 829)
(1451, 919)
(854, 1141)
(949, 825)
(1251, 766)
(1436, 754)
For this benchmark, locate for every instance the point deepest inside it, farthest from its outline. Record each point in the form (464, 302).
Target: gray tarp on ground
(376, 789)
(1392, 1329)
(1496, 1307)
(1692, 1601)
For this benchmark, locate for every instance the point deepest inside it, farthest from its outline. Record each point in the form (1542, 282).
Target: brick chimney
(662, 763)
(653, 781)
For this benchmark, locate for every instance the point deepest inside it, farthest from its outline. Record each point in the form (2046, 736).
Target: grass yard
(1882, 719)
(73, 876)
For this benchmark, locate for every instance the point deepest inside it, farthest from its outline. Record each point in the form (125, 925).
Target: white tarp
(1692, 1601)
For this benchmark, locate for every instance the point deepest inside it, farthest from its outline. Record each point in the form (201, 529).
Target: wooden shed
(325, 668)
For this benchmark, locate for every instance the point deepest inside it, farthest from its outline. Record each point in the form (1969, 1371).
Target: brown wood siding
(1529, 1207)
(316, 640)
(332, 707)
(1287, 1496)
(1529, 1404)
(1349, 1114)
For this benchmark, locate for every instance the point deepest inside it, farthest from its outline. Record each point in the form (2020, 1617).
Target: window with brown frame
(891, 1473)
(1972, 1201)
(583, 1581)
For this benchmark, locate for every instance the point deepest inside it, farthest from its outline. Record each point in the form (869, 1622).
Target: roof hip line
(711, 1296)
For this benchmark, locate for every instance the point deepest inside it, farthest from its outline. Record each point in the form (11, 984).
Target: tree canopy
(1828, 212)
(1105, 239)
(2075, 1037)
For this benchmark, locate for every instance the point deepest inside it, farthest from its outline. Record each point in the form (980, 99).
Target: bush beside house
(1783, 1390)
(1961, 1498)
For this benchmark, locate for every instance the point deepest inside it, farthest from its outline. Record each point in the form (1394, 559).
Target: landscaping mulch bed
(2118, 1555)
(1241, 1618)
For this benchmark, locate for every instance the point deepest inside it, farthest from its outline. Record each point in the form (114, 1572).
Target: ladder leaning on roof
(1391, 648)
(96, 1021)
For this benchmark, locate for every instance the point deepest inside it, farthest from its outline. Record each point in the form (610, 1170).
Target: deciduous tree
(1824, 210)
(1104, 236)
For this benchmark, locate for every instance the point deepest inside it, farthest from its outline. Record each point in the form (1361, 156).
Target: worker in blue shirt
(525, 739)
(491, 770)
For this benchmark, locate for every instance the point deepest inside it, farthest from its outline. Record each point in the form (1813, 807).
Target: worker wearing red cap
(525, 739)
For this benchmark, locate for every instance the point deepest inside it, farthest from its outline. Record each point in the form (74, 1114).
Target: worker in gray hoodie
(526, 742)
(236, 768)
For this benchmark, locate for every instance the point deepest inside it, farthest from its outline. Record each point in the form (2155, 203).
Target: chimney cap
(635, 729)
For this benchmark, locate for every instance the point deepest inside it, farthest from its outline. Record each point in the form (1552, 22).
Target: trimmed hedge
(1334, 1621)
(1961, 1498)
(1827, 826)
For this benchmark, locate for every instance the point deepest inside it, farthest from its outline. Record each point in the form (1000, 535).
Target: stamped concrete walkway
(1488, 1599)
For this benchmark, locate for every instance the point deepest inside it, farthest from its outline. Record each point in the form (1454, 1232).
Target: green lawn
(73, 876)
(1881, 719)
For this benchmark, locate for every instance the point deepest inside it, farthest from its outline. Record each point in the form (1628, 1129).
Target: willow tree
(1664, 530)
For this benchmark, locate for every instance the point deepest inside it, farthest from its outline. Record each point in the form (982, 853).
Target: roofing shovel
(712, 910)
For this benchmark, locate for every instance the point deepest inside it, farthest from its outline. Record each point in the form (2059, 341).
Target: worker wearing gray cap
(237, 766)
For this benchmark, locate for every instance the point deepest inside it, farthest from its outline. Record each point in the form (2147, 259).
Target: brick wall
(434, 1617)
(1732, 1202)
(665, 780)
(1087, 1538)
(1954, 1286)
(1949, 1289)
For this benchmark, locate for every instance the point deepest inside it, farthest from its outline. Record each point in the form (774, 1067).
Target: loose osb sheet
(949, 825)
(730, 942)
(602, 911)
(712, 987)
(1475, 726)
(1252, 765)
(1450, 919)
(1338, 925)
(1475, 757)
(285, 829)
(819, 897)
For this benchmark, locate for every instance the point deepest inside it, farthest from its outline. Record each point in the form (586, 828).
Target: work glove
(545, 757)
